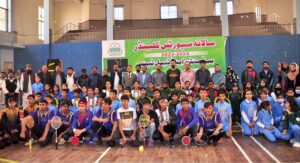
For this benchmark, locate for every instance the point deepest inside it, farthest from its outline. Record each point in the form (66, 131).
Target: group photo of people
(138, 107)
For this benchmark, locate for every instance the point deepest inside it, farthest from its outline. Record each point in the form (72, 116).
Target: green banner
(149, 52)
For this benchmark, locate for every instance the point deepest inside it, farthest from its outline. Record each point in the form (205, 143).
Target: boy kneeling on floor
(41, 129)
(210, 125)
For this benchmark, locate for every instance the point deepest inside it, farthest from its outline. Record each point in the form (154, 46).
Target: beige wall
(64, 13)
(68, 11)
(26, 23)
(284, 8)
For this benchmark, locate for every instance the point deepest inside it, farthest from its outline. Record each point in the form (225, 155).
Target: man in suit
(145, 77)
(59, 77)
(45, 76)
(129, 78)
(116, 77)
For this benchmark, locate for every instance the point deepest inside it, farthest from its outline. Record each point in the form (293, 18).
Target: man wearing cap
(11, 87)
(26, 81)
(82, 80)
(250, 74)
(202, 74)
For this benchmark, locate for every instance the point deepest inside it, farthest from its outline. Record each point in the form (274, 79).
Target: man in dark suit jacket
(104, 78)
(45, 76)
(129, 78)
(116, 75)
(58, 76)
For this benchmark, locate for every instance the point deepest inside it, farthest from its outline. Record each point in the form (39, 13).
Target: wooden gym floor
(239, 148)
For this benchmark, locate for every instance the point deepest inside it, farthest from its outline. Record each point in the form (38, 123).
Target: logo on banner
(113, 49)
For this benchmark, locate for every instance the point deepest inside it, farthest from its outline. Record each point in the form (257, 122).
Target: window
(258, 13)
(41, 23)
(168, 12)
(119, 13)
(218, 8)
(4, 15)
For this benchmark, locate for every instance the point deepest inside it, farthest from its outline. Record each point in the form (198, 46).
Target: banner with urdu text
(149, 52)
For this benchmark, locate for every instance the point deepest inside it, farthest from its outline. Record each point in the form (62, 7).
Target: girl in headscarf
(293, 77)
(231, 78)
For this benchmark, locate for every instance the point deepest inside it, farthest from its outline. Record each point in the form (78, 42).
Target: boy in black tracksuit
(235, 97)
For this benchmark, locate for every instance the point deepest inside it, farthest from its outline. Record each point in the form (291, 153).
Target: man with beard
(250, 74)
(116, 77)
(2, 81)
(27, 79)
(45, 76)
(94, 78)
(145, 77)
(82, 80)
(267, 74)
(218, 77)
(202, 74)
(70, 78)
(59, 77)
(158, 76)
(173, 74)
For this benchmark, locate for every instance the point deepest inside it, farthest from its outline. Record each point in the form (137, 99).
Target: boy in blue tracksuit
(82, 122)
(265, 123)
(187, 120)
(115, 105)
(199, 106)
(248, 111)
(225, 111)
(278, 108)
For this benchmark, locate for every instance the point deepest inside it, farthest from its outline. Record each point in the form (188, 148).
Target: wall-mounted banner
(113, 49)
(149, 52)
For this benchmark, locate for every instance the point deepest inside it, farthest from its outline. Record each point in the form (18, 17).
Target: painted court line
(241, 149)
(7, 160)
(262, 147)
(102, 155)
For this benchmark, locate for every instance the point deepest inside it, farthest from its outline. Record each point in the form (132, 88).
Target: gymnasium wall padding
(238, 50)
(76, 55)
(260, 48)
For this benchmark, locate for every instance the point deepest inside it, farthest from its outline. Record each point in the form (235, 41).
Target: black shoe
(215, 143)
(193, 143)
(171, 144)
(100, 142)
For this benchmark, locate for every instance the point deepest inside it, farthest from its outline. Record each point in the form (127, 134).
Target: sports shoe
(296, 144)
(33, 142)
(171, 144)
(61, 142)
(292, 141)
(150, 143)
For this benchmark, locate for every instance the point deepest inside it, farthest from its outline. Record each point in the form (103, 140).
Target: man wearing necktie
(130, 78)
